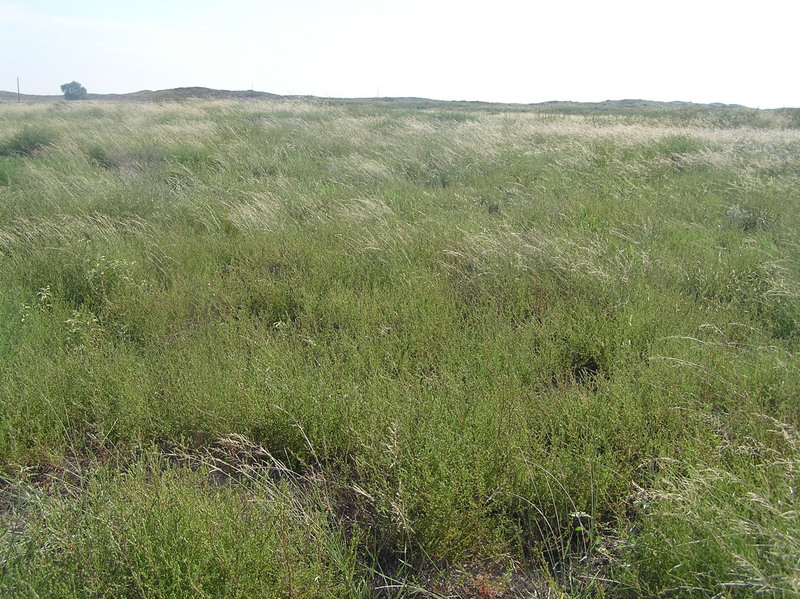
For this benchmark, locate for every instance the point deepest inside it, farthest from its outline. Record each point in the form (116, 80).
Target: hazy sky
(501, 50)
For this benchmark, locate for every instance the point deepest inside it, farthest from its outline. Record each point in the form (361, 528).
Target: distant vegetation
(629, 106)
(389, 348)
(73, 91)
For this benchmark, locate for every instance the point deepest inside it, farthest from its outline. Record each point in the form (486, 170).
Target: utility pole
(18, 100)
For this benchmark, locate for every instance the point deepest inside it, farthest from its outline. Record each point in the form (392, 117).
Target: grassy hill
(175, 94)
(200, 93)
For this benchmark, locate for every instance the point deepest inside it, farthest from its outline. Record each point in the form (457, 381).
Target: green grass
(295, 349)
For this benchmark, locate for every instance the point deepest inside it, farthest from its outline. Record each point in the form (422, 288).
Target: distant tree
(73, 91)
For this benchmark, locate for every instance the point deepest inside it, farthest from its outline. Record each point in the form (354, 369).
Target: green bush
(73, 91)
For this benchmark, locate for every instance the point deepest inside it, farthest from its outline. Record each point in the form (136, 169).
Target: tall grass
(475, 355)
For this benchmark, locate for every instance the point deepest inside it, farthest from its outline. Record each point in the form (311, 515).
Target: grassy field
(298, 349)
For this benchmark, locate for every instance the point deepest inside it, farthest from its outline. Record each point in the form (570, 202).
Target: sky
(735, 52)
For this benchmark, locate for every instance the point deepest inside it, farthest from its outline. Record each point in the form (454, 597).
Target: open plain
(283, 348)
